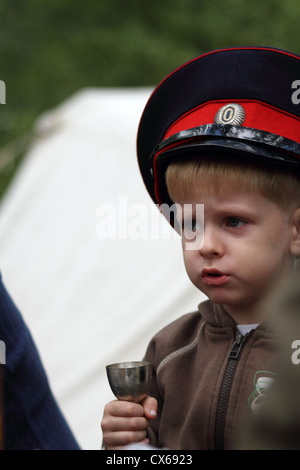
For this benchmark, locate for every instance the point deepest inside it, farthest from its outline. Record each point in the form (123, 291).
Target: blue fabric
(32, 418)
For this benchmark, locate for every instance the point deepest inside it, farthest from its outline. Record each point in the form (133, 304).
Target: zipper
(226, 389)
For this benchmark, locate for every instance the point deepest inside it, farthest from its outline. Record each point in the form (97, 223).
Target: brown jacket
(208, 379)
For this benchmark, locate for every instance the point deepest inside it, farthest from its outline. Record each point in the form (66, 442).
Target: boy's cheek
(192, 267)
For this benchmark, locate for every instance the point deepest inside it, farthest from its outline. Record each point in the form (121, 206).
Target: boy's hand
(125, 422)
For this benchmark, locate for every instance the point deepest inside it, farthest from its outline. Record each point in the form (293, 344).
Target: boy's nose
(212, 244)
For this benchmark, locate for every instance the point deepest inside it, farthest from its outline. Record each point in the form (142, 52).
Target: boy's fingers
(124, 408)
(136, 423)
(150, 407)
(126, 422)
(120, 439)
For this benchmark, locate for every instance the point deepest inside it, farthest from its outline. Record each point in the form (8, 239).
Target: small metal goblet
(130, 381)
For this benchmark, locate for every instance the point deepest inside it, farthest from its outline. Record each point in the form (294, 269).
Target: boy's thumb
(150, 407)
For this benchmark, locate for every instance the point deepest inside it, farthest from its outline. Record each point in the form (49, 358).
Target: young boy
(221, 131)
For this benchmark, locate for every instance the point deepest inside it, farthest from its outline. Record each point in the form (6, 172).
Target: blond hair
(279, 185)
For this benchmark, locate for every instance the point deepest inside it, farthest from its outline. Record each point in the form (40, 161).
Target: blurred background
(77, 76)
(50, 50)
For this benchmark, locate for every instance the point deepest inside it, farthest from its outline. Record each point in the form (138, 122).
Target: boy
(223, 131)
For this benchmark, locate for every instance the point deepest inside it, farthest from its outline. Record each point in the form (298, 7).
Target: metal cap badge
(231, 113)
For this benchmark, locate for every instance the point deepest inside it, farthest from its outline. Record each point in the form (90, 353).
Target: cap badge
(232, 113)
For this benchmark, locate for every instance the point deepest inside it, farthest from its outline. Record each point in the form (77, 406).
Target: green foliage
(51, 49)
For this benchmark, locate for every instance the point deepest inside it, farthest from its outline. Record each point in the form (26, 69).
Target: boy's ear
(295, 241)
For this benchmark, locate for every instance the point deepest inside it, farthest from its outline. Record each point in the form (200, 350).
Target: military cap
(242, 100)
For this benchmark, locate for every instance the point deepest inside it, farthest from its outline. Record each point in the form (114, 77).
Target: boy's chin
(234, 302)
(221, 298)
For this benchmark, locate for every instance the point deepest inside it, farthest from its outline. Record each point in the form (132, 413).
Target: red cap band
(259, 115)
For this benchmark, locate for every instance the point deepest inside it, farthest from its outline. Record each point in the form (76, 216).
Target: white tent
(92, 283)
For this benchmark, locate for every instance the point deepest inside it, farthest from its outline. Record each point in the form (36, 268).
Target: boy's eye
(235, 222)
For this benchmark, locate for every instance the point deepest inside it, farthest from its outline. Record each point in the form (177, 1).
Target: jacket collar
(215, 315)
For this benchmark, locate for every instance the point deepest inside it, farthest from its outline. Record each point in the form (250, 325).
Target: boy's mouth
(214, 277)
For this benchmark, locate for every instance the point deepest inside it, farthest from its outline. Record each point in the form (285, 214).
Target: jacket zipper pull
(237, 345)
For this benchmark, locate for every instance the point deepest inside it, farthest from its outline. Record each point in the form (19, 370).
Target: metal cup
(130, 381)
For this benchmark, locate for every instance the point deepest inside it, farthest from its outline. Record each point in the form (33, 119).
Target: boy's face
(245, 252)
